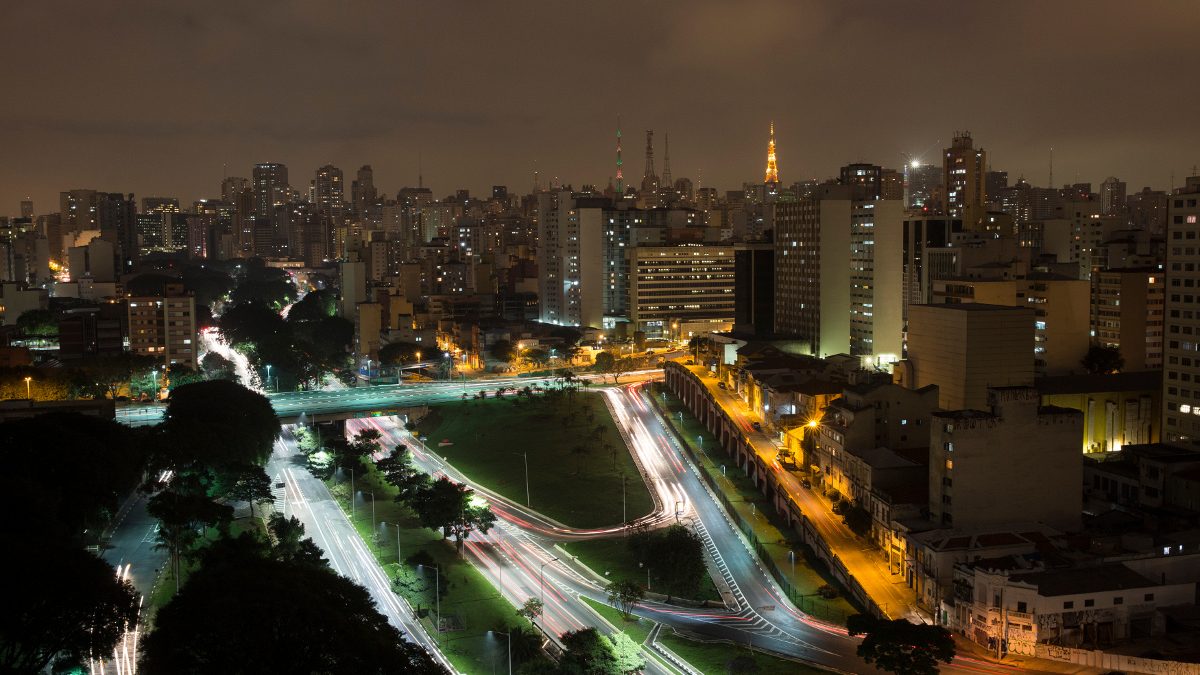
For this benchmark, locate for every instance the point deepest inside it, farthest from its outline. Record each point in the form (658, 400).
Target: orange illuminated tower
(772, 170)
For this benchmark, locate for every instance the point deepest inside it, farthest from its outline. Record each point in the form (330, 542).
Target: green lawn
(712, 658)
(580, 489)
(637, 629)
(470, 605)
(776, 540)
(612, 559)
(164, 588)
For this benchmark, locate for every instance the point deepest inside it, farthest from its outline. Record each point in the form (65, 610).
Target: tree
(219, 424)
(66, 606)
(181, 514)
(398, 470)
(38, 323)
(252, 485)
(678, 560)
(625, 594)
(627, 652)
(536, 357)
(580, 450)
(532, 609)
(208, 284)
(289, 546)
(111, 374)
(398, 353)
(525, 643)
(314, 306)
(501, 350)
(1101, 360)
(217, 367)
(179, 374)
(610, 364)
(900, 646)
(588, 653)
(263, 615)
(857, 519)
(452, 508)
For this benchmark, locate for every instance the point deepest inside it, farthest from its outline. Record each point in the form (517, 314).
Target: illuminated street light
(509, 636)
(28, 388)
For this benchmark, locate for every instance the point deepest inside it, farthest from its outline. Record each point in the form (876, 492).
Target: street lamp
(509, 636)
(374, 532)
(28, 388)
(397, 541)
(352, 495)
(542, 580)
(154, 382)
(437, 585)
(647, 574)
(268, 382)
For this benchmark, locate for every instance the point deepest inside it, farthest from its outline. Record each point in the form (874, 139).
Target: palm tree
(580, 451)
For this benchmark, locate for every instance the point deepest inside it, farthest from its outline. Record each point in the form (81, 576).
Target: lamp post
(437, 585)
(28, 388)
(374, 531)
(154, 384)
(352, 495)
(647, 574)
(268, 382)
(509, 636)
(792, 557)
(542, 580)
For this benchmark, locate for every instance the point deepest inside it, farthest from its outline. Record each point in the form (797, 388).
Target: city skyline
(245, 94)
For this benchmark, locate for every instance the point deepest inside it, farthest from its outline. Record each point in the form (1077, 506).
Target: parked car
(722, 385)
(806, 483)
(757, 426)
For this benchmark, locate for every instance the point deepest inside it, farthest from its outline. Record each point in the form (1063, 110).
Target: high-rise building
(362, 191)
(1014, 461)
(328, 190)
(27, 208)
(754, 287)
(963, 167)
(921, 233)
(681, 290)
(160, 205)
(866, 176)
(77, 209)
(116, 218)
(839, 278)
(924, 187)
(1182, 321)
(232, 187)
(1112, 196)
(994, 182)
(1127, 313)
(270, 188)
(966, 348)
(1148, 211)
(164, 326)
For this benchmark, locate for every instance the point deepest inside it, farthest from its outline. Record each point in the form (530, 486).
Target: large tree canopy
(900, 646)
(263, 615)
(218, 424)
(63, 606)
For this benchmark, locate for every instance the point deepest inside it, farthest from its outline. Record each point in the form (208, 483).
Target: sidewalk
(858, 555)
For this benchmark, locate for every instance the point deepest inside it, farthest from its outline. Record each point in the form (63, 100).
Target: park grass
(637, 628)
(470, 605)
(612, 559)
(779, 542)
(487, 438)
(712, 658)
(164, 585)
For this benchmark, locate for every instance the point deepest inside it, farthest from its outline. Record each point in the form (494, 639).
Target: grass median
(613, 559)
(713, 658)
(576, 457)
(470, 605)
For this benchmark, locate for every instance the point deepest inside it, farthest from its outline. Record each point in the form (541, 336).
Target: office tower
(27, 208)
(1127, 313)
(994, 182)
(116, 218)
(925, 189)
(89, 332)
(232, 187)
(160, 204)
(772, 173)
(839, 278)
(210, 222)
(866, 176)
(754, 287)
(164, 326)
(1014, 461)
(362, 191)
(1182, 320)
(1148, 211)
(679, 291)
(77, 208)
(919, 234)
(1112, 196)
(966, 348)
(500, 193)
(891, 185)
(270, 188)
(963, 167)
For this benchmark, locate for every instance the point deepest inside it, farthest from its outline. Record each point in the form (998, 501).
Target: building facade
(165, 326)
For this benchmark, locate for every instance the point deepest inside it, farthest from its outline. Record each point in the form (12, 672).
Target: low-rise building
(1118, 409)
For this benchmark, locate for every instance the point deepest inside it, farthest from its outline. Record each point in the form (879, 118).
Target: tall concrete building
(270, 183)
(1014, 462)
(27, 208)
(77, 212)
(839, 272)
(1127, 313)
(963, 169)
(362, 191)
(232, 187)
(681, 290)
(116, 218)
(165, 326)
(920, 233)
(1112, 196)
(924, 189)
(966, 348)
(754, 288)
(328, 190)
(583, 260)
(1181, 397)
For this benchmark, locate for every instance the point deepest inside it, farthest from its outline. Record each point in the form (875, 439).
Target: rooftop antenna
(1051, 167)
(420, 173)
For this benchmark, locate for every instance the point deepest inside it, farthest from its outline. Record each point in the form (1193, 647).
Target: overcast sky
(155, 97)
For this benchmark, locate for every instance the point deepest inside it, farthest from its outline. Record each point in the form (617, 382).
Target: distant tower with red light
(772, 175)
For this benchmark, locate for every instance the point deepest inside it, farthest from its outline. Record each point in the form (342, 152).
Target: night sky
(155, 97)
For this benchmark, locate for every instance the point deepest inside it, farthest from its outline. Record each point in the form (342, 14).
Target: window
(1069, 604)
(1149, 597)
(1118, 600)
(1022, 607)
(1089, 603)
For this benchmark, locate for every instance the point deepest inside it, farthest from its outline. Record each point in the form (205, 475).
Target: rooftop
(1138, 380)
(975, 307)
(1081, 580)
